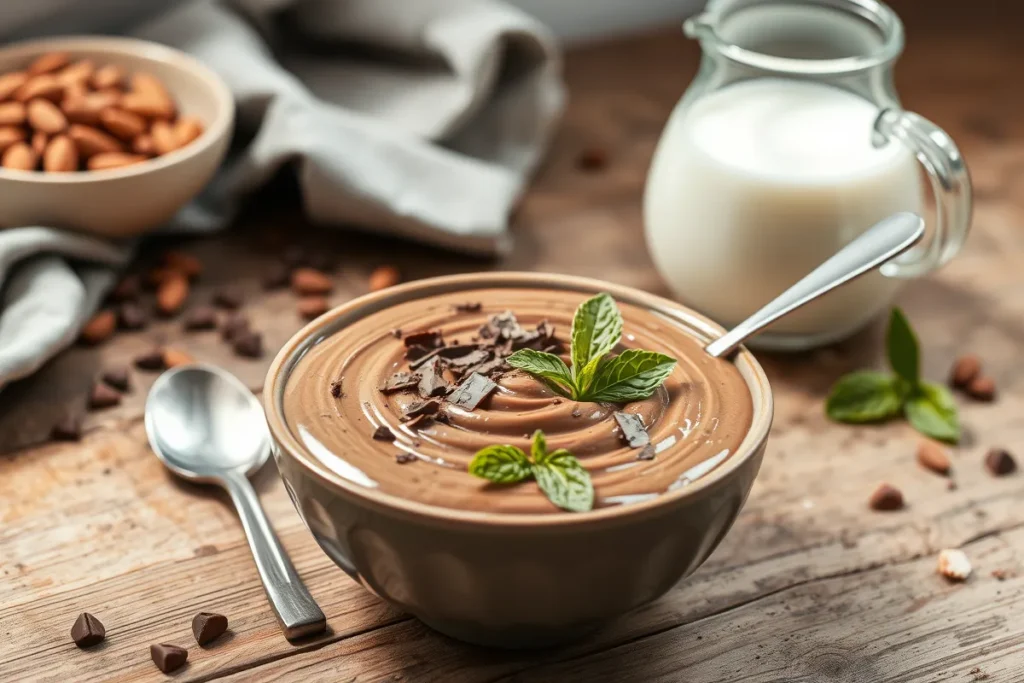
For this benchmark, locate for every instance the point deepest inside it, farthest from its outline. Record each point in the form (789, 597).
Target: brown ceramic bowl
(514, 579)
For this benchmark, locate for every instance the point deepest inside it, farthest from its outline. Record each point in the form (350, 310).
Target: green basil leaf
(865, 396)
(932, 411)
(904, 354)
(633, 375)
(565, 481)
(500, 464)
(539, 447)
(546, 366)
(596, 329)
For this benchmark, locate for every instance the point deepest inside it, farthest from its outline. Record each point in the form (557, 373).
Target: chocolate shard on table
(87, 630)
(103, 396)
(208, 626)
(632, 429)
(472, 391)
(400, 381)
(117, 377)
(168, 657)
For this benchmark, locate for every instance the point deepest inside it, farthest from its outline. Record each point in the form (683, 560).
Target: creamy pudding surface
(404, 442)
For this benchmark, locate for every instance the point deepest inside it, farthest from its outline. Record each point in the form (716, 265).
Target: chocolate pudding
(413, 436)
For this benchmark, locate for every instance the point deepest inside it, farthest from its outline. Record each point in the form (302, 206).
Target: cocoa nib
(399, 382)
(472, 391)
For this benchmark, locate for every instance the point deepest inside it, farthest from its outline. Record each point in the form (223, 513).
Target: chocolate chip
(430, 339)
(404, 458)
(87, 630)
(399, 382)
(249, 345)
(965, 369)
(130, 316)
(278, 276)
(417, 408)
(982, 388)
(431, 382)
(117, 377)
(999, 462)
(228, 297)
(127, 289)
(646, 453)
(68, 428)
(201, 318)
(632, 429)
(472, 391)
(383, 433)
(168, 658)
(886, 497)
(235, 325)
(151, 360)
(473, 307)
(102, 396)
(208, 626)
(336, 389)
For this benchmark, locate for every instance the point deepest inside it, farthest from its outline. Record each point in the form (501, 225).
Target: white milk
(755, 185)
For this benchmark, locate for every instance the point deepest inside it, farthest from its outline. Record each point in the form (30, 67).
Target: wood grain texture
(808, 586)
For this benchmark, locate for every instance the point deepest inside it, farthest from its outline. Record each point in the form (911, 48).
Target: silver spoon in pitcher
(884, 241)
(207, 427)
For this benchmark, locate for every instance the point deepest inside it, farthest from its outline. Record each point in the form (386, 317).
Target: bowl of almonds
(106, 135)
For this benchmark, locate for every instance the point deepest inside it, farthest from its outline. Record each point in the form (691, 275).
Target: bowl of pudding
(378, 409)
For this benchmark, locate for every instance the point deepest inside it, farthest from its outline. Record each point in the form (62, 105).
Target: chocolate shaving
(420, 422)
(472, 391)
(404, 458)
(646, 453)
(430, 339)
(417, 408)
(420, 360)
(399, 382)
(473, 307)
(336, 389)
(383, 433)
(431, 382)
(633, 431)
(475, 357)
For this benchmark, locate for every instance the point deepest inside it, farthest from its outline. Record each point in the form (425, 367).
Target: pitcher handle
(950, 182)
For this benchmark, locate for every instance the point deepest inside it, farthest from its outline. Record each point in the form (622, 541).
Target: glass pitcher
(790, 142)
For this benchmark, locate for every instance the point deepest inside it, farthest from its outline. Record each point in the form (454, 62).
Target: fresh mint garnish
(633, 375)
(559, 474)
(869, 396)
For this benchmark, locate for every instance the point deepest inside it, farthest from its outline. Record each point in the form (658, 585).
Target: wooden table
(809, 586)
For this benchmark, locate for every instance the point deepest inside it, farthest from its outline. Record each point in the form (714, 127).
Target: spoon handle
(296, 609)
(886, 239)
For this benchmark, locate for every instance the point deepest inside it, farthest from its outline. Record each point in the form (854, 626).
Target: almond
(77, 73)
(933, 456)
(183, 262)
(148, 84)
(12, 114)
(61, 155)
(72, 91)
(91, 141)
(99, 328)
(108, 160)
(123, 124)
(175, 357)
(44, 86)
(312, 306)
(982, 388)
(44, 115)
(39, 142)
(10, 135)
(143, 144)
(309, 281)
(145, 104)
(87, 108)
(20, 156)
(51, 61)
(965, 369)
(187, 129)
(171, 294)
(109, 76)
(384, 277)
(165, 140)
(886, 497)
(11, 82)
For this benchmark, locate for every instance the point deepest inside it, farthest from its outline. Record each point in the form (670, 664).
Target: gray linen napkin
(419, 118)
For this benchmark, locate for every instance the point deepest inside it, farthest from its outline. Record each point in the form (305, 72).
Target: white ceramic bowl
(133, 199)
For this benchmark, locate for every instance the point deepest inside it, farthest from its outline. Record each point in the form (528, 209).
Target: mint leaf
(904, 355)
(564, 481)
(539, 447)
(501, 464)
(596, 329)
(633, 375)
(548, 367)
(864, 396)
(932, 411)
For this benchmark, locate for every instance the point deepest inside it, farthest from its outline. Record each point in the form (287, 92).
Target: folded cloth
(419, 118)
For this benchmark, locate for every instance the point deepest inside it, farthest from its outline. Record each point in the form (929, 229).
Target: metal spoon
(885, 240)
(206, 426)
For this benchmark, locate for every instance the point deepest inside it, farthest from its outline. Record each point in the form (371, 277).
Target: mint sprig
(869, 396)
(633, 375)
(559, 474)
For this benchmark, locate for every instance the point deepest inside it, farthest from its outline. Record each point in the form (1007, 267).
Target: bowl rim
(293, 350)
(132, 48)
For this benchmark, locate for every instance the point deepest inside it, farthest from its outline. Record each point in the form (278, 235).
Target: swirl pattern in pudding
(696, 419)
